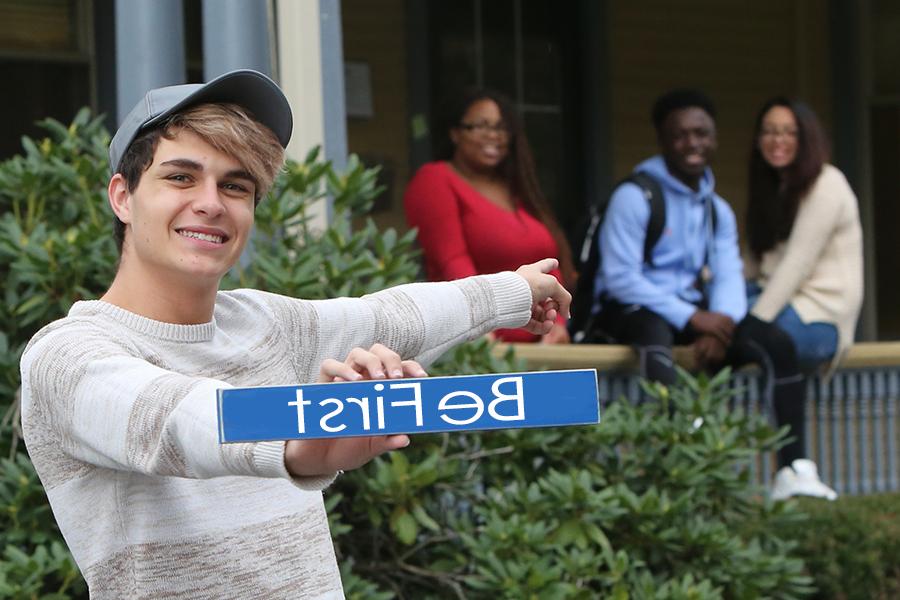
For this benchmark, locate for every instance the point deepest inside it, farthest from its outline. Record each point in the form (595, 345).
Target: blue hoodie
(668, 287)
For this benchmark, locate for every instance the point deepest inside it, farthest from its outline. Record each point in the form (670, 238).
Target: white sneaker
(800, 479)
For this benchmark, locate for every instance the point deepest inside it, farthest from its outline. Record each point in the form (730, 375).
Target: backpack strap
(657, 222)
(582, 323)
(705, 276)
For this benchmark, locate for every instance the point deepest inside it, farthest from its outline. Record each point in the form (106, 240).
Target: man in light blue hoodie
(690, 289)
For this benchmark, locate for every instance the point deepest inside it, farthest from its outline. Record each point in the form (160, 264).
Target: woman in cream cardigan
(805, 235)
(805, 261)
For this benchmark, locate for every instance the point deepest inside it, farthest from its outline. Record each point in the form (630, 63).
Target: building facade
(370, 77)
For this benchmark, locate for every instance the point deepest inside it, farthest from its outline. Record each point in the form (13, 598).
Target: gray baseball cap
(249, 89)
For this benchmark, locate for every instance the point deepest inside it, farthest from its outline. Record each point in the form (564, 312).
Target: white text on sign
(458, 408)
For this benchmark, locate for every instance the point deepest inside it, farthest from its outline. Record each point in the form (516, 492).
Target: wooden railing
(605, 357)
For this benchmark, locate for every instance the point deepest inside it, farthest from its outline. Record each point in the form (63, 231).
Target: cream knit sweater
(119, 415)
(819, 268)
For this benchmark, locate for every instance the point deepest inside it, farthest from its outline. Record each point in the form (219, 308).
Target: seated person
(806, 257)
(691, 291)
(480, 209)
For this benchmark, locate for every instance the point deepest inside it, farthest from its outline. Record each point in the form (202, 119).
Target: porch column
(149, 49)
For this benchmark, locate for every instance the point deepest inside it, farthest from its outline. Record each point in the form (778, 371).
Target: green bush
(291, 257)
(852, 546)
(55, 249)
(647, 505)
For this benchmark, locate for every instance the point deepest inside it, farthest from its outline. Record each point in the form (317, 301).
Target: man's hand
(558, 334)
(304, 458)
(709, 350)
(549, 297)
(715, 324)
(378, 362)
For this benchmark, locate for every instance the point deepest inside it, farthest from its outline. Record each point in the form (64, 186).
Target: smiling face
(688, 143)
(189, 217)
(481, 139)
(778, 137)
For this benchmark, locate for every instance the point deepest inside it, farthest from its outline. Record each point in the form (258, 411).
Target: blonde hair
(232, 130)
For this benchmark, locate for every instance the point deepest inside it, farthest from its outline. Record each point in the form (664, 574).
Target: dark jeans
(754, 341)
(816, 342)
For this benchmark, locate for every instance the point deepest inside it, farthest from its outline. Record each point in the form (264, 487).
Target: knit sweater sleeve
(817, 217)
(419, 321)
(85, 395)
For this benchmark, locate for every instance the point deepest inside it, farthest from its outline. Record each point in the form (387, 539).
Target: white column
(300, 76)
(300, 72)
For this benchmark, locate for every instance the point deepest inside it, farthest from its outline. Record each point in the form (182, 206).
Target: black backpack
(588, 259)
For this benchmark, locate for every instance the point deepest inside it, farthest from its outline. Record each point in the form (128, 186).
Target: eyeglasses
(482, 128)
(774, 134)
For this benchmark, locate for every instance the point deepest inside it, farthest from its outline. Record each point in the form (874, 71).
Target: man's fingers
(539, 327)
(720, 333)
(722, 326)
(547, 264)
(394, 442)
(393, 364)
(545, 286)
(558, 334)
(372, 446)
(413, 369)
(332, 370)
(560, 299)
(565, 305)
(366, 363)
(318, 457)
(708, 350)
(724, 336)
(550, 303)
(378, 362)
(543, 316)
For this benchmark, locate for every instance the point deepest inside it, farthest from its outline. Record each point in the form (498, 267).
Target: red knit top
(462, 233)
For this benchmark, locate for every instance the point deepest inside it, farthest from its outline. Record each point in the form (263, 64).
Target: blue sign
(426, 405)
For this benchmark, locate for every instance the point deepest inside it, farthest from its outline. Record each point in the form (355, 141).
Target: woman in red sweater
(480, 210)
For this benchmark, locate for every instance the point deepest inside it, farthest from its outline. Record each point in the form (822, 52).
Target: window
(518, 47)
(45, 58)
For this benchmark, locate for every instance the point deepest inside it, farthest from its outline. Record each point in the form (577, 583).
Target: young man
(119, 397)
(691, 291)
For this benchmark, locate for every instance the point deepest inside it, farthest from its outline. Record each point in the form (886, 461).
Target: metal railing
(852, 422)
(852, 418)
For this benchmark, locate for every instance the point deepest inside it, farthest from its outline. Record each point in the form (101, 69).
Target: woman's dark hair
(775, 195)
(517, 168)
